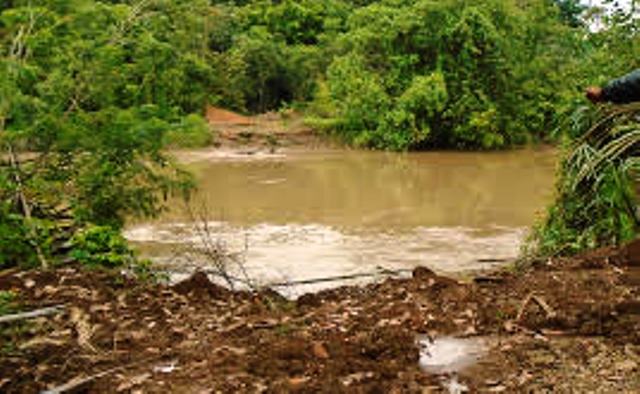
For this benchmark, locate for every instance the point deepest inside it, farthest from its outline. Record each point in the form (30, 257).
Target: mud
(565, 325)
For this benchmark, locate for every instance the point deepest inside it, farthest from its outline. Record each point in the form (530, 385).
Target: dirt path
(567, 326)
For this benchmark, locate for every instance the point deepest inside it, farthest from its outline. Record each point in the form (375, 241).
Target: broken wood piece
(80, 381)
(488, 279)
(8, 272)
(339, 278)
(538, 300)
(523, 307)
(542, 303)
(50, 310)
(83, 327)
(492, 260)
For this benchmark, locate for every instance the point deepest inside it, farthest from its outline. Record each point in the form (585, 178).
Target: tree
(90, 90)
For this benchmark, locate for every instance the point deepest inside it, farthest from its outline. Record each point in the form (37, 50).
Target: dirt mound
(568, 325)
(199, 285)
(217, 115)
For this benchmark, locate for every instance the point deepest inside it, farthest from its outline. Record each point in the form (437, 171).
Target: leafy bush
(17, 235)
(101, 246)
(596, 198)
(88, 93)
(192, 132)
(450, 74)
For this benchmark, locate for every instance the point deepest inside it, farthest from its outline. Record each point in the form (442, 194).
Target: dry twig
(538, 300)
(51, 310)
(80, 381)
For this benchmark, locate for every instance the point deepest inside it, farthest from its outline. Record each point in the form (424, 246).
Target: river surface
(311, 214)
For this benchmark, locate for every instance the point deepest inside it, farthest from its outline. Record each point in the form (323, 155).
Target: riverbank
(268, 132)
(567, 325)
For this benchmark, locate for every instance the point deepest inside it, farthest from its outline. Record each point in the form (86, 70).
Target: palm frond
(595, 192)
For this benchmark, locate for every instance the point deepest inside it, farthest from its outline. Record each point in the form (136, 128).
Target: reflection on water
(311, 214)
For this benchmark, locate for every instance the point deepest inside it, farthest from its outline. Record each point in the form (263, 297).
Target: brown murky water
(321, 213)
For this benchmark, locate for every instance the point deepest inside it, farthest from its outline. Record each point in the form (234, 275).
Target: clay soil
(566, 325)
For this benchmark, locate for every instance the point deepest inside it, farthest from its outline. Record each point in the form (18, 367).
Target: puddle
(450, 355)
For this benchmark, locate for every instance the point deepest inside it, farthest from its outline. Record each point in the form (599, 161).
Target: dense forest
(92, 92)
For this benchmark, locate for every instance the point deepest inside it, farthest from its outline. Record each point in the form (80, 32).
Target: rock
(320, 351)
(423, 273)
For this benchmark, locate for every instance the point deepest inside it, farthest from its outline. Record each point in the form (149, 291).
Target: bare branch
(26, 207)
(50, 310)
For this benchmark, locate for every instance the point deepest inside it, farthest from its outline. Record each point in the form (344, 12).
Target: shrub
(191, 132)
(101, 246)
(596, 200)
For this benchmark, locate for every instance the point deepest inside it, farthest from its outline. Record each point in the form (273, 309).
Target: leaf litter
(568, 325)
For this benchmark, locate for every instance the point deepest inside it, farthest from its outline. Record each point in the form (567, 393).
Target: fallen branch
(51, 310)
(547, 309)
(8, 272)
(380, 272)
(538, 300)
(79, 381)
(339, 277)
(492, 260)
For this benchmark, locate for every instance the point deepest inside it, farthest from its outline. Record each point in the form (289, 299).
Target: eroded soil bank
(570, 325)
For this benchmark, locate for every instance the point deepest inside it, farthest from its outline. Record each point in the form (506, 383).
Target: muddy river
(310, 214)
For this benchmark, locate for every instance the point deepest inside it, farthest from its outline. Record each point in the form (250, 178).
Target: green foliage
(101, 246)
(104, 247)
(192, 132)
(511, 70)
(362, 98)
(450, 74)
(8, 302)
(15, 248)
(17, 234)
(571, 11)
(268, 53)
(91, 92)
(596, 197)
